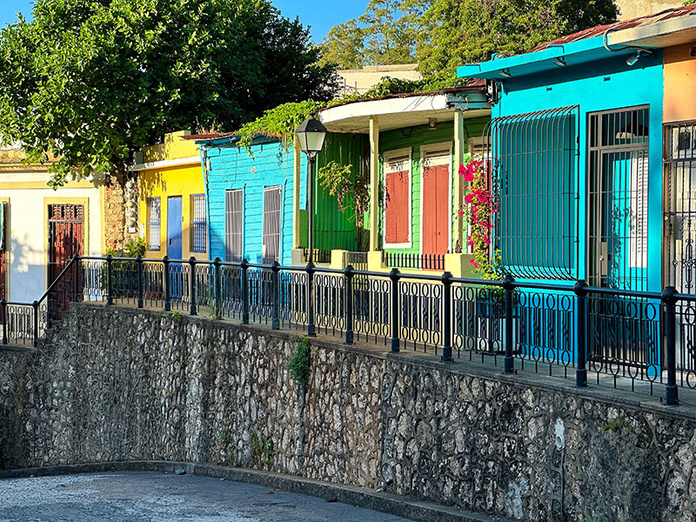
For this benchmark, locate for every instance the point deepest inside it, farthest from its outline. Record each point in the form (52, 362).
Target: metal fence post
(580, 290)
(275, 294)
(192, 284)
(35, 306)
(394, 276)
(139, 260)
(348, 273)
(669, 298)
(218, 287)
(109, 299)
(447, 317)
(3, 303)
(76, 277)
(167, 290)
(310, 300)
(245, 291)
(508, 287)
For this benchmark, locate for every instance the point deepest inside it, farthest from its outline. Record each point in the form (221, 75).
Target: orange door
(436, 209)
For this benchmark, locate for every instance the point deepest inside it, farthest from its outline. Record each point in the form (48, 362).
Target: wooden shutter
(234, 225)
(397, 212)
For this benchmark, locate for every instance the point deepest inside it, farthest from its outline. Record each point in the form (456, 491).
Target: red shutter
(397, 213)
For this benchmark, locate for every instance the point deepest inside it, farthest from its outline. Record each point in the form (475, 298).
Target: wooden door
(436, 205)
(65, 236)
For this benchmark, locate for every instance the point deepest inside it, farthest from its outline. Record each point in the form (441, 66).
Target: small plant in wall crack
(299, 365)
(262, 449)
(176, 316)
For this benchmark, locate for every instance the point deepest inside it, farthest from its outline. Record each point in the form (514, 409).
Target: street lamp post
(310, 134)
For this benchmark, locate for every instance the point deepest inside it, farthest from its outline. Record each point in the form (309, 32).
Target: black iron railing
(413, 261)
(644, 339)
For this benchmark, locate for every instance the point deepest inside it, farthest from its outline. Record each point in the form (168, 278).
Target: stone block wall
(115, 384)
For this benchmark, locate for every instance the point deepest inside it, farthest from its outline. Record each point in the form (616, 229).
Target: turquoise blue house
(257, 199)
(576, 149)
(575, 156)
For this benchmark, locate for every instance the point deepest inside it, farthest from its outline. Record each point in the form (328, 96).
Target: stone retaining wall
(115, 384)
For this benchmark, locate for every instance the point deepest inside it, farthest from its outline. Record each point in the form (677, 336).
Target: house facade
(172, 213)
(415, 144)
(42, 228)
(257, 199)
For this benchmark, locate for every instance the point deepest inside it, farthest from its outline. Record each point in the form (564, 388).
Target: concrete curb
(358, 497)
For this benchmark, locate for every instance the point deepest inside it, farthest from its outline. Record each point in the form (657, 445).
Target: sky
(320, 15)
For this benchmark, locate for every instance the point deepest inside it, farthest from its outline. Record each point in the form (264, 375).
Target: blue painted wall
(601, 85)
(232, 167)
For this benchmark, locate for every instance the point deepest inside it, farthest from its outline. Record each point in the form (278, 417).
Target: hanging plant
(479, 209)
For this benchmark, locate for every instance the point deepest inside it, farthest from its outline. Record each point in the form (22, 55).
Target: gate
(65, 239)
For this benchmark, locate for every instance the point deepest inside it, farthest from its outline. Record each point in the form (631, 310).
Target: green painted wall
(414, 138)
(333, 228)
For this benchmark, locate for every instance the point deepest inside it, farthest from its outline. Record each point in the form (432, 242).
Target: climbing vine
(283, 120)
(479, 209)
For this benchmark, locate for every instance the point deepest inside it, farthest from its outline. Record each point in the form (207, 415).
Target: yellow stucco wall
(165, 182)
(680, 83)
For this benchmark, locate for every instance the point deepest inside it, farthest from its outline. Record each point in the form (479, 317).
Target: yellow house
(172, 204)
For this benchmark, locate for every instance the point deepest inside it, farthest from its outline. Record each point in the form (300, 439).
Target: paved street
(157, 497)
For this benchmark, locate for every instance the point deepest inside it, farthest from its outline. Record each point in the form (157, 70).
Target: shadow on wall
(27, 272)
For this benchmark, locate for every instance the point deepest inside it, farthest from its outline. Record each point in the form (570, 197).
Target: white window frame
(280, 221)
(243, 197)
(149, 223)
(424, 150)
(388, 158)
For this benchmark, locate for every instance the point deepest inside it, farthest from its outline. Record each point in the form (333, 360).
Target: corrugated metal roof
(667, 14)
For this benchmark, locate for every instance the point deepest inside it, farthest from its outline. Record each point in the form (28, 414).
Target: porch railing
(644, 339)
(413, 261)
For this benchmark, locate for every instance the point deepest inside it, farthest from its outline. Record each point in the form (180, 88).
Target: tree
(443, 34)
(386, 34)
(90, 81)
(467, 31)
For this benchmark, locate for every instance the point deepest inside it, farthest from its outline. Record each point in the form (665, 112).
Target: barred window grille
(534, 174)
(272, 200)
(234, 225)
(198, 223)
(154, 224)
(618, 198)
(680, 211)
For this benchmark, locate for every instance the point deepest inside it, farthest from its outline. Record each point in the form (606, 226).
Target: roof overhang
(400, 112)
(660, 34)
(164, 164)
(665, 33)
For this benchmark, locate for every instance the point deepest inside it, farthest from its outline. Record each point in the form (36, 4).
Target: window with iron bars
(680, 206)
(154, 224)
(534, 173)
(198, 223)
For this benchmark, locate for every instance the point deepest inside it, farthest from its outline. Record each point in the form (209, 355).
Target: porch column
(374, 184)
(296, 176)
(460, 148)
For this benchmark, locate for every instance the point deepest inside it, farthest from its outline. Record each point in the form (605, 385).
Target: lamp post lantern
(310, 134)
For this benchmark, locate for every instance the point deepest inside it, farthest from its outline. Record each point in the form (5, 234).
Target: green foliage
(90, 82)
(387, 33)
(262, 449)
(299, 364)
(281, 121)
(176, 316)
(620, 423)
(131, 249)
(472, 30)
(443, 34)
(350, 188)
